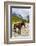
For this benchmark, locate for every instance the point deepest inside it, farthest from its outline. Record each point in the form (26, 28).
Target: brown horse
(18, 25)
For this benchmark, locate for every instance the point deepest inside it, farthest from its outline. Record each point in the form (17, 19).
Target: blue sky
(21, 11)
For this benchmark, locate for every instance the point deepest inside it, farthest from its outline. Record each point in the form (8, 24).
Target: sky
(22, 11)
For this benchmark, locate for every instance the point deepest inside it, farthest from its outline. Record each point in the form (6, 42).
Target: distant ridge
(17, 18)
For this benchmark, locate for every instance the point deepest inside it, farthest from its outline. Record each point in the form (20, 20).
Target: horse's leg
(19, 32)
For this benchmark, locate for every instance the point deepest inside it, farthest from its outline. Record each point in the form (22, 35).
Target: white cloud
(21, 11)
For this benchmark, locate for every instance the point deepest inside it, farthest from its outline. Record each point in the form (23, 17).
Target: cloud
(21, 11)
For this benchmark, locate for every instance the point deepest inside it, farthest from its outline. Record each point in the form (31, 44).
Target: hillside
(16, 19)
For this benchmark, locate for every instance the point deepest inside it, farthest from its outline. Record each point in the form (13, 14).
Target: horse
(18, 25)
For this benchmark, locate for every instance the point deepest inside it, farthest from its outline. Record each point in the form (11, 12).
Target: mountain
(14, 14)
(16, 19)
